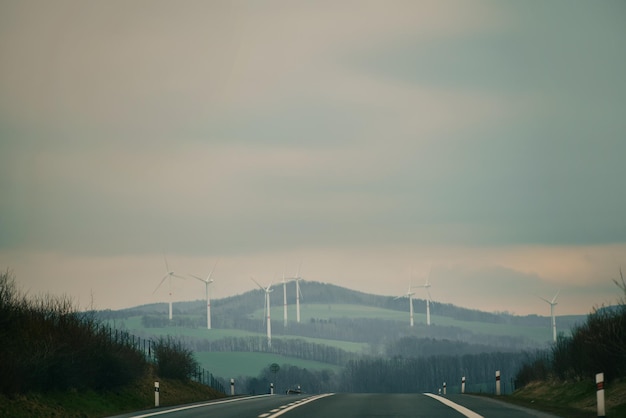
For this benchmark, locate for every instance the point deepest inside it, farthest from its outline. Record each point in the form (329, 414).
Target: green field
(325, 311)
(235, 364)
(133, 325)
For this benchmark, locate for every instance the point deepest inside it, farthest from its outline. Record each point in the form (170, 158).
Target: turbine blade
(555, 296)
(212, 270)
(199, 278)
(257, 283)
(299, 265)
(160, 283)
(167, 267)
(545, 300)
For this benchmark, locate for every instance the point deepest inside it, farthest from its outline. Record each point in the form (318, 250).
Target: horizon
(479, 145)
(303, 303)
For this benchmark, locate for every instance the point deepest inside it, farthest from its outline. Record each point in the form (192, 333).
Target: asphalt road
(346, 405)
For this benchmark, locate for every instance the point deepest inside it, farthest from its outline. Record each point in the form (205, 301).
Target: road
(346, 405)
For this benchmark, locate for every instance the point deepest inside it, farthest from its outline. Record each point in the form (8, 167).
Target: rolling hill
(337, 325)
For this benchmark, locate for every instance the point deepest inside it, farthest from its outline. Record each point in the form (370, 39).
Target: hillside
(337, 325)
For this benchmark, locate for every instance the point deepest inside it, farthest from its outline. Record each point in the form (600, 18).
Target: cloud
(342, 130)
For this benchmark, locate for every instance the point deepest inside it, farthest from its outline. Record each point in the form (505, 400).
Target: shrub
(173, 360)
(47, 345)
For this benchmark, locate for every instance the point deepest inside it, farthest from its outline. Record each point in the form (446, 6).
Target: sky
(480, 145)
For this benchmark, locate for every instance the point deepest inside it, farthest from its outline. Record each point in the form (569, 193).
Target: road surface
(346, 405)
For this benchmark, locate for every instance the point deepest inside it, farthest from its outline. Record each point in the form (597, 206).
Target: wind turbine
(169, 274)
(552, 305)
(207, 282)
(426, 286)
(266, 310)
(284, 299)
(298, 293)
(409, 295)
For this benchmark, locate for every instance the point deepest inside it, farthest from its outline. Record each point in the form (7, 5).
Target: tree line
(48, 345)
(596, 346)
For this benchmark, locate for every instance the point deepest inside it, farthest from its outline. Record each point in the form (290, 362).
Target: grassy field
(320, 311)
(133, 325)
(234, 364)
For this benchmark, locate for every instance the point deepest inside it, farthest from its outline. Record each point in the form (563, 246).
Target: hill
(337, 325)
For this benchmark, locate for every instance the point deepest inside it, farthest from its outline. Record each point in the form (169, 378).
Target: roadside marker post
(444, 388)
(463, 384)
(497, 382)
(156, 394)
(271, 388)
(232, 387)
(600, 394)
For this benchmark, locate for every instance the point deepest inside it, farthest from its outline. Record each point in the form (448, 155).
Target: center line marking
(294, 405)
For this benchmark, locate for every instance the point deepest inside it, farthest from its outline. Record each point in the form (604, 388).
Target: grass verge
(570, 399)
(89, 403)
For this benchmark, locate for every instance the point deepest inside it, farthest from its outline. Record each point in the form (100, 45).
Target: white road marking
(168, 411)
(463, 410)
(294, 405)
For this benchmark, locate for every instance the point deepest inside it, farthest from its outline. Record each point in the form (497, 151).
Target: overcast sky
(480, 143)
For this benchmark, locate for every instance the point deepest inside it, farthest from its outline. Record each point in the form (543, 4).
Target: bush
(48, 345)
(598, 345)
(173, 360)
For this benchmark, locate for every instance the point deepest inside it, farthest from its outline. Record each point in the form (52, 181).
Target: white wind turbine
(284, 300)
(207, 282)
(409, 295)
(552, 305)
(169, 274)
(298, 293)
(426, 286)
(266, 310)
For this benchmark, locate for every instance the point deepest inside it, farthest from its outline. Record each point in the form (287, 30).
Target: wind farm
(295, 282)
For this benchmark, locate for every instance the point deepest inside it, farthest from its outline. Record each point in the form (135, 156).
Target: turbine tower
(266, 310)
(298, 293)
(552, 305)
(284, 299)
(207, 282)
(428, 299)
(409, 295)
(169, 274)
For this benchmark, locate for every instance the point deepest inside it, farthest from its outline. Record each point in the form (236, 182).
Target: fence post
(497, 382)
(600, 394)
(156, 394)
(232, 386)
(463, 384)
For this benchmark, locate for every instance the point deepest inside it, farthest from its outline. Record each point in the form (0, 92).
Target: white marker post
(497, 382)
(232, 386)
(444, 388)
(271, 388)
(156, 394)
(600, 394)
(463, 384)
